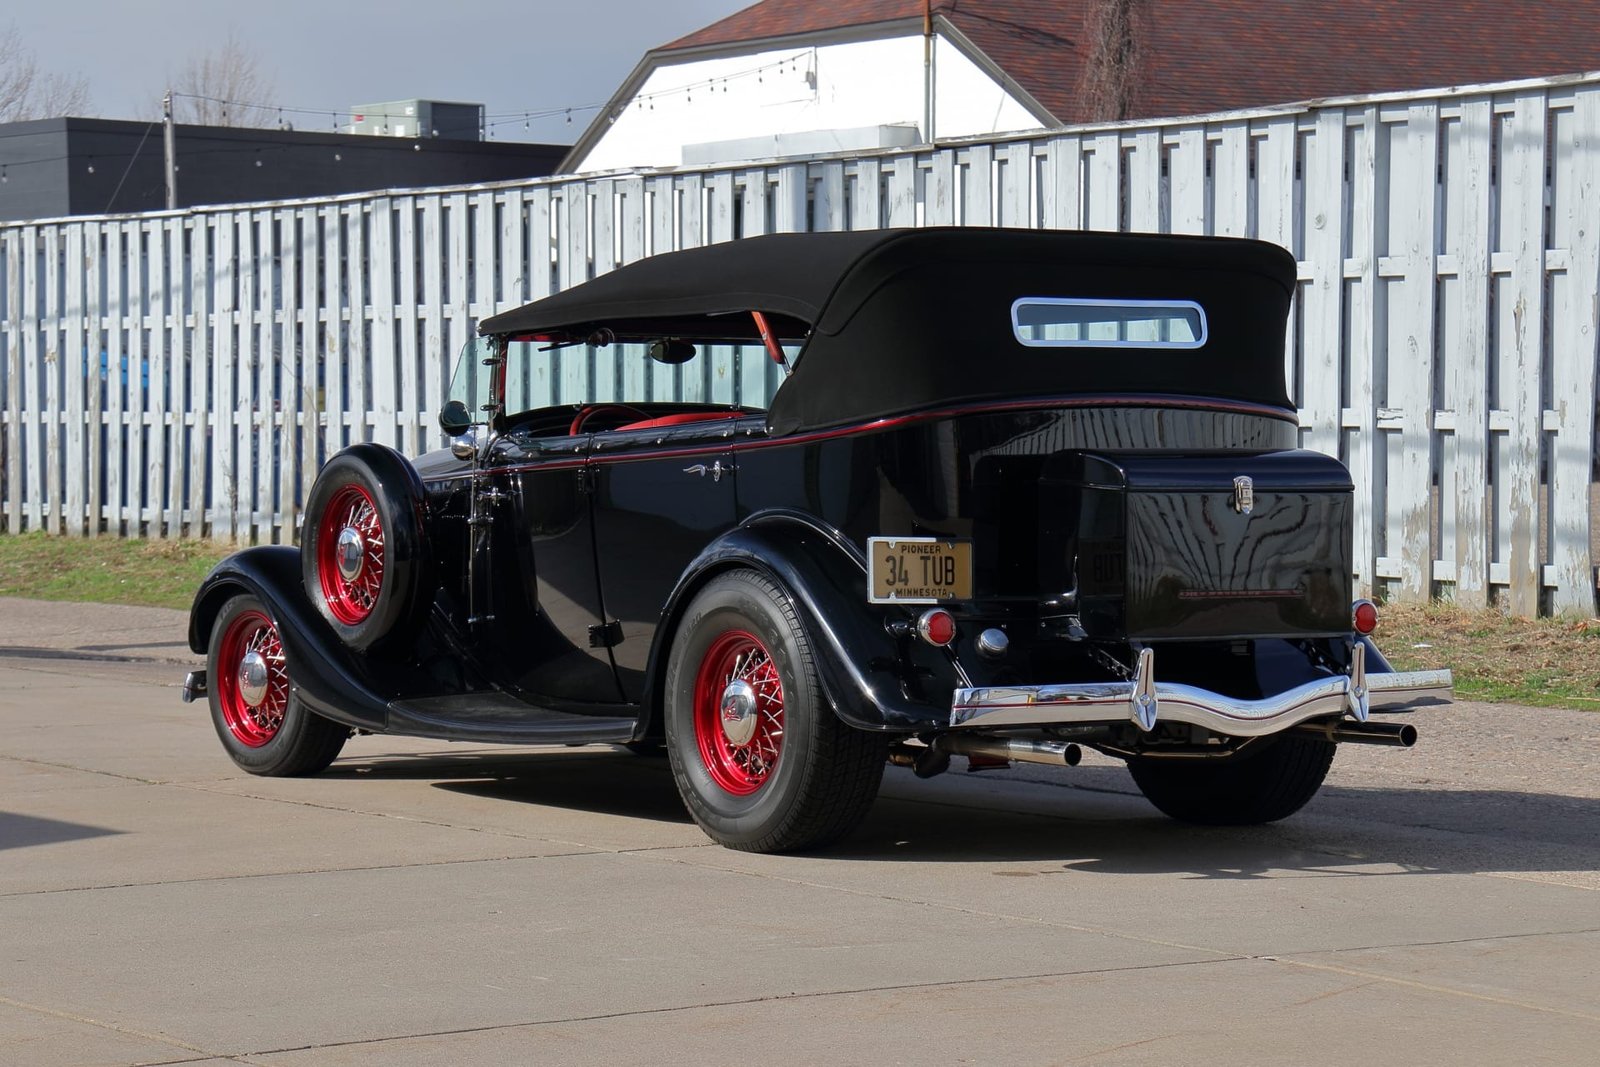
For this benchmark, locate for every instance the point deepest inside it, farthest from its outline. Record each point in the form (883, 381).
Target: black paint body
(1096, 485)
(1111, 510)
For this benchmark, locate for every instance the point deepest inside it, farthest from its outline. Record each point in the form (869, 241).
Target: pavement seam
(298, 873)
(943, 906)
(1437, 944)
(1106, 932)
(204, 788)
(84, 770)
(1488, 998)
(776, 997)
(160, 1039)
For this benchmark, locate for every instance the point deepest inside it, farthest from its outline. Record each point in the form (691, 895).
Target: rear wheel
(1271, 785)
(762, 762)
(263, 727)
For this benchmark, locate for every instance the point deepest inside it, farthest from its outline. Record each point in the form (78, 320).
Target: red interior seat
(679, 419)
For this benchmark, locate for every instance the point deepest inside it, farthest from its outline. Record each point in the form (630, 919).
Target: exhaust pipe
(929, 760)
(1402, 735)
(1053, 753)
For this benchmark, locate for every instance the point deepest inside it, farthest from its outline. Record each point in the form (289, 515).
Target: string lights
(719, 83)
(788, 64)
(526, 116)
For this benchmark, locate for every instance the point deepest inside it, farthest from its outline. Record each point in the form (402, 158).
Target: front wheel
(1270, 785)
(264, 728)
(760, 759)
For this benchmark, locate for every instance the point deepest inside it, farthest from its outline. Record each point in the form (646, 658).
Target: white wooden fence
(184, 374)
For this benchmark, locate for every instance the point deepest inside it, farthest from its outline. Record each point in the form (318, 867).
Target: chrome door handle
(717, 470)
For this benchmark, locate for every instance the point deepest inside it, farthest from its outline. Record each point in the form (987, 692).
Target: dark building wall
(34, 165)
(102, 166)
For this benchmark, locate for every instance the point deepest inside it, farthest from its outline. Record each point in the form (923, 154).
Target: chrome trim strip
(1110, 702)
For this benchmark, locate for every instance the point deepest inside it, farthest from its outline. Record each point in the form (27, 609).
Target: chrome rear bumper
(1145, 701)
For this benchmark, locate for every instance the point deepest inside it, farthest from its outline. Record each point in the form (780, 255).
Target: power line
(496, 119)
(126, 170)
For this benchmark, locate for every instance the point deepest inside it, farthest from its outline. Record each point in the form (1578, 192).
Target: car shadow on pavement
(1088, 818)
(603, 780)
(1099, 823)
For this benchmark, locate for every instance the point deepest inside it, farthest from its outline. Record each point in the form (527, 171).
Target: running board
(499, 718)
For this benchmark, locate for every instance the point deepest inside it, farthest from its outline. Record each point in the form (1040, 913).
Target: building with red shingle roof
(795, 77)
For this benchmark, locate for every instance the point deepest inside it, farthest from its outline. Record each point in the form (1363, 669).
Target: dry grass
(105, 570)
(1547, 662)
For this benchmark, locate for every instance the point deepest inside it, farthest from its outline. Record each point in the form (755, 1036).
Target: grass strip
(1544, 662)
(105, 570)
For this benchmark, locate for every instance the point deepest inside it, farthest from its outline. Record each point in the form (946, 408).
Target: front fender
(325, 674)
(873, 679)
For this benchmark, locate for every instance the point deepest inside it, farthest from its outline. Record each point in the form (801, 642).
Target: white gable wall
(798, 90)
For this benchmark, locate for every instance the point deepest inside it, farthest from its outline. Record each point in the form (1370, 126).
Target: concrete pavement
(424, 903)
(93, 632)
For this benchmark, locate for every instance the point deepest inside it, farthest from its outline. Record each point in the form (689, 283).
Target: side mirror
(454, 418)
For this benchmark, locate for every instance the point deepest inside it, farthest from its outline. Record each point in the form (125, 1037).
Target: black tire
(383, 489)
(1270, 785)
(819, 781)
(277, 737)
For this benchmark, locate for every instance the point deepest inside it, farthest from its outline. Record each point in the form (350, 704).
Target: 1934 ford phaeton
(1018, 493)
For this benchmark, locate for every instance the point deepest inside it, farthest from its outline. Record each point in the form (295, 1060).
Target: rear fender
(326, 676)
(873, 679)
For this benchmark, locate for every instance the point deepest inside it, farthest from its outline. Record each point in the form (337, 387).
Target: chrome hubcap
(253, 678)
(351, 553)
(738, 712)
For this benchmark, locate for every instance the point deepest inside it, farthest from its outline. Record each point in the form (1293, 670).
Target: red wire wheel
(252, 679)
(350, 554)
(738, 713)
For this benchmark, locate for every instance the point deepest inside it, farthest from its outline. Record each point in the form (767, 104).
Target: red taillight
(937, 627)
(1364, 617)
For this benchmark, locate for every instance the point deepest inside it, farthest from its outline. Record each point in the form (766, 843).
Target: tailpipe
(932, 759)
(1053, 753)
(1401, 735)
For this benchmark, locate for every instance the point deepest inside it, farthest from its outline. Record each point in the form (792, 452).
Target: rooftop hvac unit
(419, 118)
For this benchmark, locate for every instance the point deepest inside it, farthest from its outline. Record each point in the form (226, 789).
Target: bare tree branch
(26, 92)
(1111, 73)
(225, 87)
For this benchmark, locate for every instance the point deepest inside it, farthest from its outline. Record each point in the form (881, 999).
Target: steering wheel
(602, 409)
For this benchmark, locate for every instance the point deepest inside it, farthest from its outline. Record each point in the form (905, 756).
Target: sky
(513, 57)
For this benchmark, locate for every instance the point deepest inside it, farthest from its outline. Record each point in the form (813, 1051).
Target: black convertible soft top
(789, 275)
(901, 320)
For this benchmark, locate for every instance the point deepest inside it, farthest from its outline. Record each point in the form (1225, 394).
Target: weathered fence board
(185, 373)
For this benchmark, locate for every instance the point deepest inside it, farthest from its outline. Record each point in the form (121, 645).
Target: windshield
(471, 382)
(625, 372)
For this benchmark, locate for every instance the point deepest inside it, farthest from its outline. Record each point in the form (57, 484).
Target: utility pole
(170, 136)
(927, 69)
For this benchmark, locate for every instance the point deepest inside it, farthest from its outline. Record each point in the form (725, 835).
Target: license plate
(918, 570)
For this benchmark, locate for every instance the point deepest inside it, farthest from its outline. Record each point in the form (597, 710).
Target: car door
(660, 497)
(541, 585)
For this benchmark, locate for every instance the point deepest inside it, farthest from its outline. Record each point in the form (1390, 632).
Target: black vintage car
(1018, 493)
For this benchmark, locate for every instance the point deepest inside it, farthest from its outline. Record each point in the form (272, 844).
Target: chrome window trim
(1072, 301)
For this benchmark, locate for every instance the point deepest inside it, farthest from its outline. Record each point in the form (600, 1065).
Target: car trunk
(1172, 546)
